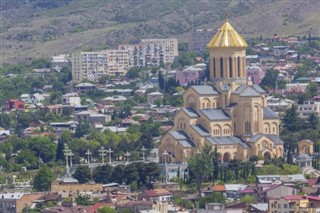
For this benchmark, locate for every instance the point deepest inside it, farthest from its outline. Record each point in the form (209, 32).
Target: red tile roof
(294, 197)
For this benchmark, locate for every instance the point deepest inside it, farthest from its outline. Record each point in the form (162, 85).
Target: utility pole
(102, 153)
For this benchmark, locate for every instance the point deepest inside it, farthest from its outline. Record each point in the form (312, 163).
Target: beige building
(93, 65)
(308, 108)
(229, 113)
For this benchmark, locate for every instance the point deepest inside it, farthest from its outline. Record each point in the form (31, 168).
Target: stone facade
(229, 113)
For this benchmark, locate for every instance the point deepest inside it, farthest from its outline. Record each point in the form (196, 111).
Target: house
(280, 50)
(55, 109)
(277, 191)
(37, 98)
(4, 133)
(26, 98)
(255, 73)
(190, 75)
(92, 117)
(114, 99)
(15, 202)
(136, 206)
(14, 104)
(161, 195)
(232, 190)
(152, 97)
(71, 99)
(84, 87)
(294, 204)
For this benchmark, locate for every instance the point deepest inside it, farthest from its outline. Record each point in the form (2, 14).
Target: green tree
(270, 79)
(102, 174)
(119, 174)
(82, 129)
(248, 199)
(106, 209)
(42, 180)
(83, 200)
(214, 198)
(291, 121)
(28, 159)
(82, 174)
(313, 121)
(200, 167)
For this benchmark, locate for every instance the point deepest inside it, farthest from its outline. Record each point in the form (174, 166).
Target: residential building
(280, 50)
(71, 99)
(14, 104)
(199, 39)
(229, 113)
(294, 204)
(190, 75)
(151, 52)
(136, 206)
(60, 61)
(308, 108)
(161, 195)
(169, 47)
(93, 65)
(92, 117)
(26, 98)
(15, 202)
(114, 99)
(84, 87)
(153, 96)
(255, 73)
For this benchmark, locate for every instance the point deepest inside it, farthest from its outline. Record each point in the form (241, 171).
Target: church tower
(227, 51)
(228, 113)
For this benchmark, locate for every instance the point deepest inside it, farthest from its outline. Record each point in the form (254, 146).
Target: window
(214, 67)
(221, 67)
(285, 206)
(238, 66)
(230, 68)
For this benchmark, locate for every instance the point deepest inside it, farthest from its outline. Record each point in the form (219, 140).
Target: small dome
(303, 157)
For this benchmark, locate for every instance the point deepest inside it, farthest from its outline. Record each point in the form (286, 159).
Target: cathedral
(229, 112)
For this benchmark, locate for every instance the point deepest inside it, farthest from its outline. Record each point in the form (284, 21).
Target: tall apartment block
(199, 39)
(152, 52)
(149, 52)
(93, 65)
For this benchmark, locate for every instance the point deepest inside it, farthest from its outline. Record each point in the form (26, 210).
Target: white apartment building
(307, 108)
(93, 65)
(151, 52)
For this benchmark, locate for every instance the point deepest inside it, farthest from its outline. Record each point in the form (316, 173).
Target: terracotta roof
(294, 197)
(220, 188)
(97, 206)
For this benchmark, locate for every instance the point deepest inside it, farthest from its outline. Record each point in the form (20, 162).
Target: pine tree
(215, 164)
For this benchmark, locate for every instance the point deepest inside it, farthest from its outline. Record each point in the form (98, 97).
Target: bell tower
(227, 50)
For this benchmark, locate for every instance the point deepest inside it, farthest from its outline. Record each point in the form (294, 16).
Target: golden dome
(227, 37)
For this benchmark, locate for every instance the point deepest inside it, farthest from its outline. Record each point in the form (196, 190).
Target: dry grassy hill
(38, 28)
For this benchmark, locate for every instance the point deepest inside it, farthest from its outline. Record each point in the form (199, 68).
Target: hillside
(37, 28)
